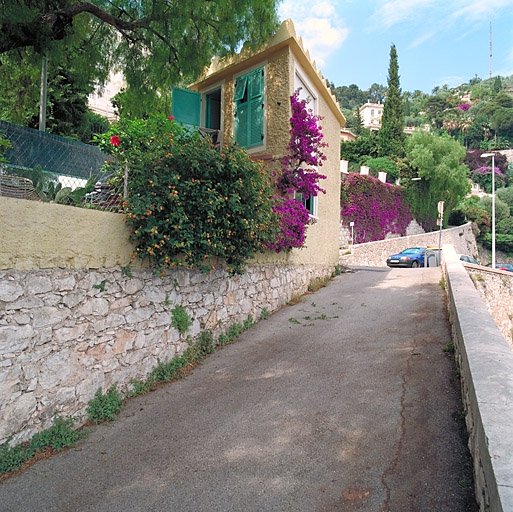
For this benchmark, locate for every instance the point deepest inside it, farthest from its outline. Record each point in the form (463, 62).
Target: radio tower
(490, 68)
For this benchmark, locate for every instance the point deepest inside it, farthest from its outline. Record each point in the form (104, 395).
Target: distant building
(101, 103)
(371, 114)
(346, 135)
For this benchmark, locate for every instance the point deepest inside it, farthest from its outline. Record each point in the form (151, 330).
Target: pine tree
(358, 128)
(391, 135)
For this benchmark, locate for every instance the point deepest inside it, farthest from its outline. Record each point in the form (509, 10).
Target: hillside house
(371, 114)
(246, 98)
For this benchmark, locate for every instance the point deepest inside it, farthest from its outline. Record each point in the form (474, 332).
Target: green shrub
(180, 319)
(190, 204)
(59, 436)
(105, 407)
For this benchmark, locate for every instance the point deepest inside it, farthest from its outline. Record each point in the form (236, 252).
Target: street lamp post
(486, 155)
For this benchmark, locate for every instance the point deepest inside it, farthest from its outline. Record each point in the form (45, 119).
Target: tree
(391, 135)
(156, 44)
(437, 161)
(377, 93)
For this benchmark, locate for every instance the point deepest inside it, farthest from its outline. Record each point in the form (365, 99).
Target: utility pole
(44, 88)
(491, 53)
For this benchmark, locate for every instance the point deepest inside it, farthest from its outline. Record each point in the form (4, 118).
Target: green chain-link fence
(46, 167)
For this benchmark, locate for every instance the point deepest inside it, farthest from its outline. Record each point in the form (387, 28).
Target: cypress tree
(391, 135)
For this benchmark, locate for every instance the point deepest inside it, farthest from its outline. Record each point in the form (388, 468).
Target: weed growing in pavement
(296, 299)
(293, 320)
(449, 348)
(264, 314)
(105, 407)
(59, 436)
(318, 283)
(442, 283)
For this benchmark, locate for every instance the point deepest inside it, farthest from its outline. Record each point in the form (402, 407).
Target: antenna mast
(490, 68)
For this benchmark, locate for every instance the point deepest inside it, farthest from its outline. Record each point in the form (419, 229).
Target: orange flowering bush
(188, 203)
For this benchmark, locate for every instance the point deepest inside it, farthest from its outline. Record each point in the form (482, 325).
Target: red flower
(115, 140)
(171, 118)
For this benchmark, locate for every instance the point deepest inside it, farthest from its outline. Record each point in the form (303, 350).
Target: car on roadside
(412, 257)
(468, 259)
(502, 266)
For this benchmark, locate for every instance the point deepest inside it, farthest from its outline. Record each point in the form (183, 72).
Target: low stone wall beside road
(485, 361)
(374, 254)
(66, 332)
(496, 290)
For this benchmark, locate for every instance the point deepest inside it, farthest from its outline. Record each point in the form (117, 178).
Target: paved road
(342, 402)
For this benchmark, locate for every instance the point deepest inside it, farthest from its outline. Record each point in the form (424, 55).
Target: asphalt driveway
(345, 401)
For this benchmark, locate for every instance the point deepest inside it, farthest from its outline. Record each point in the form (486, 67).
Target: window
(307, 92)
(310, 204)
(197, 110)
(249, 104)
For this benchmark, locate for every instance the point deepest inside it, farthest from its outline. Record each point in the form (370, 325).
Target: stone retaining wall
(374, 254)
(66, 332)
(496, 290)
(485, 361)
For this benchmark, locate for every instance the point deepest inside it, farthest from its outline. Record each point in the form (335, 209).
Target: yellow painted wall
(45, 235)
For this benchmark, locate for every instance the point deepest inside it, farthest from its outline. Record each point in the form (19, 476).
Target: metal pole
(493, 210)
(44, 88)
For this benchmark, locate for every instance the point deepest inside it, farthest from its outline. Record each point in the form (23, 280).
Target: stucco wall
(46, 235)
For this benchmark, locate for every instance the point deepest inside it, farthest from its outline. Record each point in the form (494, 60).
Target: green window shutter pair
(249, 99)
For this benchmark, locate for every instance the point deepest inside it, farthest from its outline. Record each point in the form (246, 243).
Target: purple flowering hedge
(376, 208)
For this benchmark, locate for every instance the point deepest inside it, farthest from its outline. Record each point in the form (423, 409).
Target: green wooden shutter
(249, 121)
(186, 106)
(257, 83)
(256, 107)
(256, 129)
(241, 125)
(240, 88)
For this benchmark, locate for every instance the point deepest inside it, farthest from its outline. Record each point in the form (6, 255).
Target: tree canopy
(157, 44)
(437, 160)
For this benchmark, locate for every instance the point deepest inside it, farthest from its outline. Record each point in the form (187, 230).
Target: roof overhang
(222, 69)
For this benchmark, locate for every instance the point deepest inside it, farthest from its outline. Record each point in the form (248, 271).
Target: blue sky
(438, 41)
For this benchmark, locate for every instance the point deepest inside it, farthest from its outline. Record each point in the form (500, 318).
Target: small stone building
(246, 98)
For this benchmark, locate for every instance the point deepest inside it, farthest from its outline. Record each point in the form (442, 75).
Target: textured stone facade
(62, 337)
(496, 290)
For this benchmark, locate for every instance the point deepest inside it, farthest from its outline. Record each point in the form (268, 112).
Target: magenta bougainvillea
(298, 175)
(305, 152)
(464, 106)
(376, 208)
(294, 219)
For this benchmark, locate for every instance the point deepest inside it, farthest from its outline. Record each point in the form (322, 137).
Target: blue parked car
(409, 258)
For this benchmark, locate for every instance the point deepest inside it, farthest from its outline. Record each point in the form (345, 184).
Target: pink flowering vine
(298, 176)
(463, 106)
(305, 152)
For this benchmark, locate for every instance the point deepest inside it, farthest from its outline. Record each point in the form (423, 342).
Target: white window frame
(301, 76)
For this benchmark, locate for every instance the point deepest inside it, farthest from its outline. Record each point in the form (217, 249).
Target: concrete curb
(486, 365)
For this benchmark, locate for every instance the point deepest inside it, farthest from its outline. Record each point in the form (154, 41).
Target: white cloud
(477, 10)
(318, 24)
(422, 38)
(392, 12)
